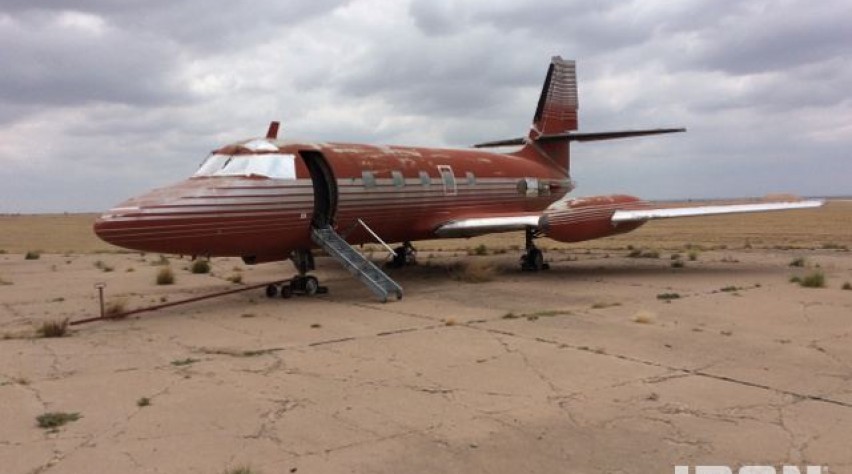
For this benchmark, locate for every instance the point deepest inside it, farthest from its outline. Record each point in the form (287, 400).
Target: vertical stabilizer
(557, 105)
(556, 113)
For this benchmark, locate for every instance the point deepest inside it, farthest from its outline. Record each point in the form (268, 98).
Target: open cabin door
(325, 188)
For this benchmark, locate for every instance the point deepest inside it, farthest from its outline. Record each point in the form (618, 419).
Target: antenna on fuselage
(272, 133)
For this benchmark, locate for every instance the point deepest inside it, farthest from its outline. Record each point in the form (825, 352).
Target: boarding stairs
(358, 265)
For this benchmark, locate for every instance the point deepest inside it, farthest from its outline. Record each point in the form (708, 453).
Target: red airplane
(267, 199)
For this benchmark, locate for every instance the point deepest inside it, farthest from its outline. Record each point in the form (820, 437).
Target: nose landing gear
(301, 284)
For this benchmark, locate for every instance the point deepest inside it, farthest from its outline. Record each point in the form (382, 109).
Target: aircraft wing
(666, 213)
(474, 226)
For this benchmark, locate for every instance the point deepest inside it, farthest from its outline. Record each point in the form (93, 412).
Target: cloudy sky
(103, 99)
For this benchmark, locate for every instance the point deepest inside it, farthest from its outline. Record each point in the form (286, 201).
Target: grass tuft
(644, 317)
(678, 264)
(474, 271)
(846, 286)
(241, 470)
(183, 362)
(114, 308)
(480, 250)
(236, 278)
(53, 328)
(797, 262)
(103, 266)
(814, 279)
(55, 419)
(165, 276)
(692, 255)
(668, 296)
(32, 255)
(143, 402)
(200, 265)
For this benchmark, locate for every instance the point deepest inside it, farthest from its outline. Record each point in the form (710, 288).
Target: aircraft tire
(311, 286)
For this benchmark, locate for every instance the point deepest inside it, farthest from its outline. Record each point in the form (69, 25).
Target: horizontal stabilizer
(650, 214)
(580, 137)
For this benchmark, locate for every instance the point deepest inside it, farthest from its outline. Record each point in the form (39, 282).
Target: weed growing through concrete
(241, 470)
(165, 276)
(114, 308)
(814, 279)
(643, 317)
(55, 419)
(183, 362)
(474, 271)
(53, 328)
(236, 278)
(549, 313)
(103, 266)
(200, 265)
(602, 305)
(668, 296)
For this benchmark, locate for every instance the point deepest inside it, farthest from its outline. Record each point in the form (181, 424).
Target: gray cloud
(102, 99)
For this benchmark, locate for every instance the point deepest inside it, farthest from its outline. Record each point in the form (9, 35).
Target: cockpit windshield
(269, 165)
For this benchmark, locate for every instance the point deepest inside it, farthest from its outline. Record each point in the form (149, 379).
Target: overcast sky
(103, 99)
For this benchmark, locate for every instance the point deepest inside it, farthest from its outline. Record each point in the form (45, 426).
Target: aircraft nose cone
(109, 226)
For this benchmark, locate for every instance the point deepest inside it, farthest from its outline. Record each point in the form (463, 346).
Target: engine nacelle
(589, 218)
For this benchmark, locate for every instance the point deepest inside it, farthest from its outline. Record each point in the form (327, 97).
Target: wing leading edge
(667, 213)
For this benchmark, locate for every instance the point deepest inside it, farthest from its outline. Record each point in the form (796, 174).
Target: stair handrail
(376, 236)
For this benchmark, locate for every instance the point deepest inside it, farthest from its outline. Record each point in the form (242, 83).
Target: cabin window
(471, 178)
(267, 165)
(398, 180)
(369, 179)
(425, 180)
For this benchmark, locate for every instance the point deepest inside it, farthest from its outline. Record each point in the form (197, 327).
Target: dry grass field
(701, 351)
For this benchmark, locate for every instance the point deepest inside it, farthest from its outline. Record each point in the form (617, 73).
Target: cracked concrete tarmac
(440, 381)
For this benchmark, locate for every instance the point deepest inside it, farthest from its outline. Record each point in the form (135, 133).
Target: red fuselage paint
(402, 193)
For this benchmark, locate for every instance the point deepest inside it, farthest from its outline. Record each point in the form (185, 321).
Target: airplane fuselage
(402, 193)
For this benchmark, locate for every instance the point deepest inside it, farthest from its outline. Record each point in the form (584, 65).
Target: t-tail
(555, 121)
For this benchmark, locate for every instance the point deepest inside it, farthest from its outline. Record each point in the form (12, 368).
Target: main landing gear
(533, 259)
(301, 284)
(403, 256)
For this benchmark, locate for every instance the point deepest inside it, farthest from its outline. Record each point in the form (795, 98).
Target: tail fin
(556, 117)
(557, 105)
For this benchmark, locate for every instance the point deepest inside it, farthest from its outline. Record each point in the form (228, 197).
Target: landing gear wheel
(286, 291)
(311, 286)
(533, 258)
(271, 291)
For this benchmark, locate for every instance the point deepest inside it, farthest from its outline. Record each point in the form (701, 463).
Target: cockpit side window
(268, 165)
(211, 164)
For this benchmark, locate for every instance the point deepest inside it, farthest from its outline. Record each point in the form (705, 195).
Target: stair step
(375, 279)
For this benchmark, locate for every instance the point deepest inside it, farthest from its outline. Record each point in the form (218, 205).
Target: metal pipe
(173, 303)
